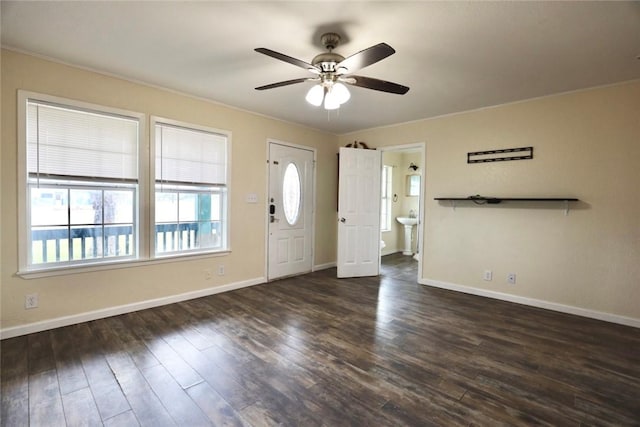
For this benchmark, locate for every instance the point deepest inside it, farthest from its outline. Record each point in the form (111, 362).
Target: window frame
(144, 199)
(79, 185)
(387, 198)
(225, 190)
(24, 206)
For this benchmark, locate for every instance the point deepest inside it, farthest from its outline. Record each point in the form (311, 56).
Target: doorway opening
(402, 211)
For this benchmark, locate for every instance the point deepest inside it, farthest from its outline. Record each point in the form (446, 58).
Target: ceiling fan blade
(376, 84)
(365, 58)
(284, 83)
(290, 60)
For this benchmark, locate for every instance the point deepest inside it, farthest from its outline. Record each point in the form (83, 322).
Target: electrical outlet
(31, 301)
(207, 274)
(488, 275)
(511, 278)
(221, 270)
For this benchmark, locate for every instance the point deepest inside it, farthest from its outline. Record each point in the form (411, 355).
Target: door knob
(343, 220)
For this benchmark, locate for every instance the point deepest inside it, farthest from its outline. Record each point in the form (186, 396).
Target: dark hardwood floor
(398, 266)
(318, 351)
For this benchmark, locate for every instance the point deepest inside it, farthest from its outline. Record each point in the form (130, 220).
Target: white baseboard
(324, 266)
(569, 309)
(129, 308)
(122, 309)
(391, 251)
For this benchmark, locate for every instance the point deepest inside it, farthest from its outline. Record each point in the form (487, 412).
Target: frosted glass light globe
(315, 95)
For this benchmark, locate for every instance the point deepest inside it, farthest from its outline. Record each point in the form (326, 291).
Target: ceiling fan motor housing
(327, 61)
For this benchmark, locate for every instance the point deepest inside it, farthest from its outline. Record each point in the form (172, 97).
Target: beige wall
(410, 203)
(73, 294)
(393, 237)
(586, 145)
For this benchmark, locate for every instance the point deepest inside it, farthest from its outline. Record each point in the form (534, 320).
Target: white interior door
(359, 213)
(290, 210)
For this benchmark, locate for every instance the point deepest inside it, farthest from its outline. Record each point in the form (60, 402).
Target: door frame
(266, 202)
(422, 146)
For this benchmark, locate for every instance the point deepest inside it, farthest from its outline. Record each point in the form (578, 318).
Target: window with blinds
(69, 143)
(83, 174)
(81, 184)
(190, 188)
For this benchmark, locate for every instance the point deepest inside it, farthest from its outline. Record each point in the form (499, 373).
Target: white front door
(359, 213)
(290, 210)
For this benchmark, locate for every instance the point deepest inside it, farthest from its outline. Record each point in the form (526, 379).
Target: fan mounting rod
(327, 61)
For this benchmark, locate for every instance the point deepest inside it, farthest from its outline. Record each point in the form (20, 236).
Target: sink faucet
(412, 213)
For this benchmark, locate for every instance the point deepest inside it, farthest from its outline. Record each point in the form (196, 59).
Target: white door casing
(359, 212)
(290, 210)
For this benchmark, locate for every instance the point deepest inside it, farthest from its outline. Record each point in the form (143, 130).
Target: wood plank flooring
(318, 351)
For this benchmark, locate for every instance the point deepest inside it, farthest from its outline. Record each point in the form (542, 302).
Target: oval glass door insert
(291, 193)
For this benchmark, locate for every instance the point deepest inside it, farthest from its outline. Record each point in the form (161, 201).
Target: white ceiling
(455, 56)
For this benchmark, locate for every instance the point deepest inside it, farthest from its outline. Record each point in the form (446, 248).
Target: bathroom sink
(406, 220)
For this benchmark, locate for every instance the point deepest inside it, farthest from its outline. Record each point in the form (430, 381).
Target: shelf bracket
(566, 207)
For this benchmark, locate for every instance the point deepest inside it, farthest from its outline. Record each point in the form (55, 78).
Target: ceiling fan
(333, 70)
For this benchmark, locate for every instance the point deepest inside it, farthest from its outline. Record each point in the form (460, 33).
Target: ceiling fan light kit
(341, 92)
(331, 101)
(332, 69)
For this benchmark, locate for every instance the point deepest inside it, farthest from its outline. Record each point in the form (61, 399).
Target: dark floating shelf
(496, 200)
(482, 200)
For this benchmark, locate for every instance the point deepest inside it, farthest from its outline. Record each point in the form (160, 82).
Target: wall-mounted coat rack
(500, 155)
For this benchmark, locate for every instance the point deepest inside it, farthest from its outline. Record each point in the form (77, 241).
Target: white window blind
(190, 156)
(65, 142)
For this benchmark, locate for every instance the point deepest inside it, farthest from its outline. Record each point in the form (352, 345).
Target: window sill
(116, 265)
